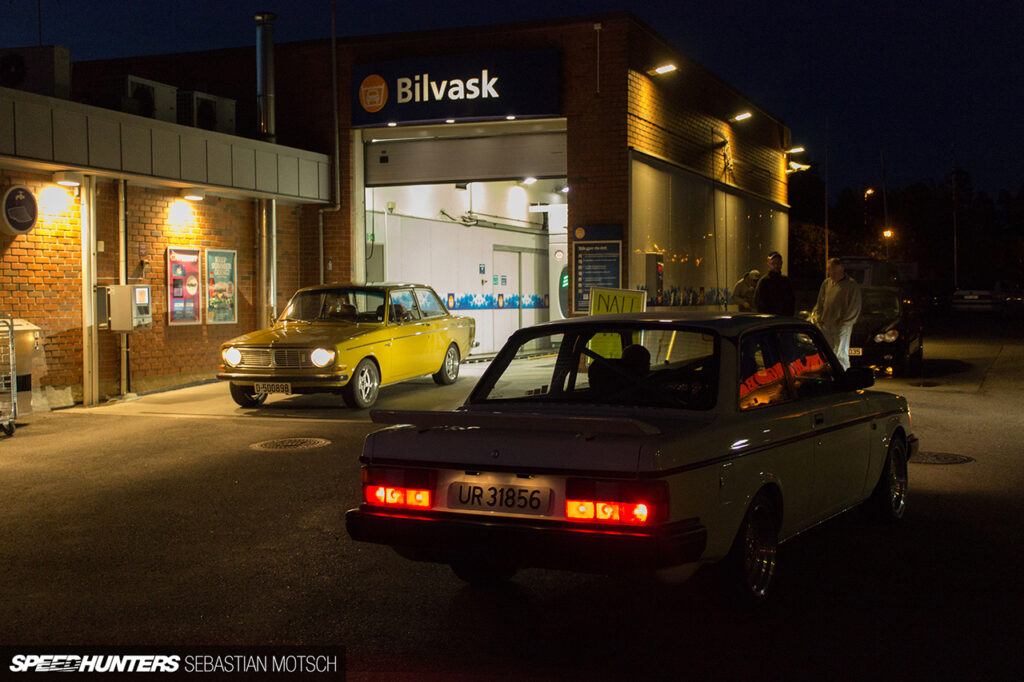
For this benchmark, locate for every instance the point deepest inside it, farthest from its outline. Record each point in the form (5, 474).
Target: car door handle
(819, 419)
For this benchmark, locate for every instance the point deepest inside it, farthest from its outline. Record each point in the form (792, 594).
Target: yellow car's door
(411, 338)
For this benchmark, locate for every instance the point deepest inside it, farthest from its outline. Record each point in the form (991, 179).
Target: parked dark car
(888, 334)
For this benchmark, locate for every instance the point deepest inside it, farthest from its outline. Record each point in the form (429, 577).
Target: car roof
(363, 285)
(724, 323)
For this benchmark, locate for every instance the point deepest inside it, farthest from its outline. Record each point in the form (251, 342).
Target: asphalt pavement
(167, 521)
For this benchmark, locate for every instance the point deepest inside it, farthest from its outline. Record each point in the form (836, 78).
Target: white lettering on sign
(420, 88)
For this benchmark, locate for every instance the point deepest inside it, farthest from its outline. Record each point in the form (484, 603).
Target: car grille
(265, 358)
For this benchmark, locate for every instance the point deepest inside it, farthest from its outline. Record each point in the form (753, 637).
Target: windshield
(618, 365)
(882, 302)
(337, 305)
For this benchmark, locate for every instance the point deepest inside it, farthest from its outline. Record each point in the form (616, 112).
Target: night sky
(920, 82)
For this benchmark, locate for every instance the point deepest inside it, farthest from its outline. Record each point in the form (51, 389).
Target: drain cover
(291, 444)
(940, 458)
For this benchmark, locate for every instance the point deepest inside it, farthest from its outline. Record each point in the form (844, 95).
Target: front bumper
(444, 537)
(325, 380)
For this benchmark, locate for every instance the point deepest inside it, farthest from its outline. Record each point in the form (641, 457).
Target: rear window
(624, 365)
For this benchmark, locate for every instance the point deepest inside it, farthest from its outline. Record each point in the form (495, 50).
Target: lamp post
(887, 236)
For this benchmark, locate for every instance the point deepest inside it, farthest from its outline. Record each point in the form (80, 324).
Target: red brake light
(398, 488)
(618, 502)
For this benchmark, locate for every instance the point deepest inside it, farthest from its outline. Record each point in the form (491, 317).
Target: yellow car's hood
(326, 334)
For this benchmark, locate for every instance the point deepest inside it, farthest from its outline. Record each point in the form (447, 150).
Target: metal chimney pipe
(265, 75)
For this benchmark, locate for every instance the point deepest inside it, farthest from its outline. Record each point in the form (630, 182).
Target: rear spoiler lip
(427, 419)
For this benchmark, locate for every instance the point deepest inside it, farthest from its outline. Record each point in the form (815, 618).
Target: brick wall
(40, 278)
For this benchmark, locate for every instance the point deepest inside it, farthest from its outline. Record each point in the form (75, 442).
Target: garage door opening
(482, 218)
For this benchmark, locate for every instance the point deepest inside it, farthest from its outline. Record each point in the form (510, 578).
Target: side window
(762, 380)
(430, 305)
(403, 306)
(808, 363)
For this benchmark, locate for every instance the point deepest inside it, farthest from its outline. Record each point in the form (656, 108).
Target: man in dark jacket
(774, 294)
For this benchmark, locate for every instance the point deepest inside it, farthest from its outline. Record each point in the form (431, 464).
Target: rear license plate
(856, 351)
(971, 297)
(268, 387)
(504, 498)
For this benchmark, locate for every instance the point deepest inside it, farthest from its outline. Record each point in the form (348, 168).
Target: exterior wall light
(529, 181)
(662, 70)
(67, 179)
(795, 150)
(510, 117)
(193, 194)
(742, 116)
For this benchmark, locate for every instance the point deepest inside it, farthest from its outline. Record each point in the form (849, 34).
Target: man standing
(774, 293)
(838, 307)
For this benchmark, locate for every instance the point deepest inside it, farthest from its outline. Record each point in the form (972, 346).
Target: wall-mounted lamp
(392, 124)
(510, 117)
(449, 120)
(529, 181)
(795, 167)
(193, 194)
(795, 150)
(564, 189)
(662, 70)
(742, 116)
(67, 179)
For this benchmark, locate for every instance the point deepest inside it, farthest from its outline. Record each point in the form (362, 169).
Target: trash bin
(28, 345)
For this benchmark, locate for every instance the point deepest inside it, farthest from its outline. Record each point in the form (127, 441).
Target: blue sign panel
(595, 264)
(20, 210)
(475, 86)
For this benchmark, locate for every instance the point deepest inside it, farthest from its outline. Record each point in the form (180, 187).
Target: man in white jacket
(838, 307)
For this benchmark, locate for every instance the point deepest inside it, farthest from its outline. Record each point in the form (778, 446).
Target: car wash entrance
(467, 196)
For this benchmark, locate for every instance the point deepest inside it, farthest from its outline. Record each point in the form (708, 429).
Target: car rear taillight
(398, 488)
(634, 503)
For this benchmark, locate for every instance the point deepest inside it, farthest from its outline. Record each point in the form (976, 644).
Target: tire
(483, 573)
(750, 565)
(245, 396)
(361, 390)
(888, 502)
(449, 371)
(8, 428)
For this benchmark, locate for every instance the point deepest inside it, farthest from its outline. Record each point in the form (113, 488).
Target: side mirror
(858, 377)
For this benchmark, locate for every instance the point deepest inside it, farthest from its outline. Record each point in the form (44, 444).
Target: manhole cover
(940, 458)
(291, 444)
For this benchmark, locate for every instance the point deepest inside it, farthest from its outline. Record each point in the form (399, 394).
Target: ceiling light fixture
(529, 181)
(67, 179)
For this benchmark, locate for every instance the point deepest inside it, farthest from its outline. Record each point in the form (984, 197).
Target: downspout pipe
(336, 206)
(266, 209)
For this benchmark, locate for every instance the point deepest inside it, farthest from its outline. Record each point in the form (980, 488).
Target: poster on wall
(184, 296)
(221, 304)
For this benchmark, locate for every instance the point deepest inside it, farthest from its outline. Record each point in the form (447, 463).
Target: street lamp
(887, 235)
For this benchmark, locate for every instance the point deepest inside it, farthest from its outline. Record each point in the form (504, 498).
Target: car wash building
(513, 168)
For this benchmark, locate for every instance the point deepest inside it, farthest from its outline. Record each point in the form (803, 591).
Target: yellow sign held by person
(612, 301)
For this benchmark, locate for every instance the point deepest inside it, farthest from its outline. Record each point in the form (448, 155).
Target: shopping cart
(8, 379)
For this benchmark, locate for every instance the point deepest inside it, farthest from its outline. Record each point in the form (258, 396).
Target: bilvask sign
(467, 87)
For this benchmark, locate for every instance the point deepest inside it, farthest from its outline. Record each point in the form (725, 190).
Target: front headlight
(322, 357)
(887, 337)
(232, 356)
